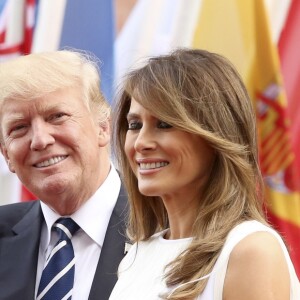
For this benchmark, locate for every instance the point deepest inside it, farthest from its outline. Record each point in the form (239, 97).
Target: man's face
(54, 145)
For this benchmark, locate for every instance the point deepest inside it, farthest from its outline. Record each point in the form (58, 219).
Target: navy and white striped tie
(58, 275)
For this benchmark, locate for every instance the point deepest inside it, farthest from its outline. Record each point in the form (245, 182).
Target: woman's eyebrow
(132, 115)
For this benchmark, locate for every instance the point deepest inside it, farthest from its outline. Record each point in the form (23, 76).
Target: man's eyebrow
(50, 106)
(12, 118)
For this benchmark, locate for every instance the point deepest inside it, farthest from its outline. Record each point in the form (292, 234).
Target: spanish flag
(240, 31)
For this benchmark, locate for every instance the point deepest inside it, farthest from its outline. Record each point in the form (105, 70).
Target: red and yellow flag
(240, 31)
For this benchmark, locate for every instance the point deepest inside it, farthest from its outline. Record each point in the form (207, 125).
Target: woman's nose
(145, 141)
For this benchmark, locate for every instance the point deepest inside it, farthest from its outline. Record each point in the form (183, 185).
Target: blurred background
(261, 38)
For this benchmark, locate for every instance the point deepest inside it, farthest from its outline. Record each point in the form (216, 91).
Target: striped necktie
(58, 275)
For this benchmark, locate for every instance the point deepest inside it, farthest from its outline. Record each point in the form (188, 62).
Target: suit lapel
(112, 251)
(18, 256)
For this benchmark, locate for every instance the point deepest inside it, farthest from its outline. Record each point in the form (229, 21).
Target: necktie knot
(65, 227)
(58, 275)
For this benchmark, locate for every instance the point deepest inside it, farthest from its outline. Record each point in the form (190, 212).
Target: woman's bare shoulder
(257, 270)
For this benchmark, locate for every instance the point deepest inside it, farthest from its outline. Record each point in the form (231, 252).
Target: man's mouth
(51, 161)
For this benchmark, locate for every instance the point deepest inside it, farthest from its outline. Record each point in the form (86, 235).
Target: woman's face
(167, 162)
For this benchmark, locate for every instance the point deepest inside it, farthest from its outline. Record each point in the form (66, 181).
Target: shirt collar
(93, 217)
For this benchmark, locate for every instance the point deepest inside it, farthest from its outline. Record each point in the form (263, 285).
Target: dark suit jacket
(20, 228)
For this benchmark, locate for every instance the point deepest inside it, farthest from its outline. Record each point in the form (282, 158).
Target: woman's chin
(149, 191)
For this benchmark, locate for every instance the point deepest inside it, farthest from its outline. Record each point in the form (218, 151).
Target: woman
(185, 137)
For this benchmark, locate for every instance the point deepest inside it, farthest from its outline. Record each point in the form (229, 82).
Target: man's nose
(41, 135)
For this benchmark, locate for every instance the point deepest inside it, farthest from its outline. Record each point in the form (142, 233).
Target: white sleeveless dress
(141, 272)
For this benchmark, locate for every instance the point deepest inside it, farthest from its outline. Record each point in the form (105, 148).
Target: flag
(29, 23)
(87, 26)
(17, 20)
(3, 20)
(289, 44)
(256, 57)
(11, 28)
(154, 27)
(49, 21)
(10, 186)
(90, 26)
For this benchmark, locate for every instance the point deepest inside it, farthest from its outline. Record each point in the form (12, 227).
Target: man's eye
(18, 127)
(163, 125)
(59, 115)
(56, 116)
(17, 130)
(133, 125)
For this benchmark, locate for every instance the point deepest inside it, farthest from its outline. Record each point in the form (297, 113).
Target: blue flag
(89, 25)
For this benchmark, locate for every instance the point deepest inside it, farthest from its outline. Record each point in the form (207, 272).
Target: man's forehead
(18, 108)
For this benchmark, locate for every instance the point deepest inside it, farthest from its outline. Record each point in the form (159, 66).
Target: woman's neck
(182, 216)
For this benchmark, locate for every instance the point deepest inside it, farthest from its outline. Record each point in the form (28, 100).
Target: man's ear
(5, 154)
(104, 133)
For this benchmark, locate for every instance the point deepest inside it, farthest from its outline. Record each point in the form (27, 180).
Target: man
(55, 132)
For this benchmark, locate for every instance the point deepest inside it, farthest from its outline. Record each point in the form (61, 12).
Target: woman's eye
(163, 125)
(134, 125)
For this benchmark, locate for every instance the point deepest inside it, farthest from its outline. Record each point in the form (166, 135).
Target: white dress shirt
(93, 218)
